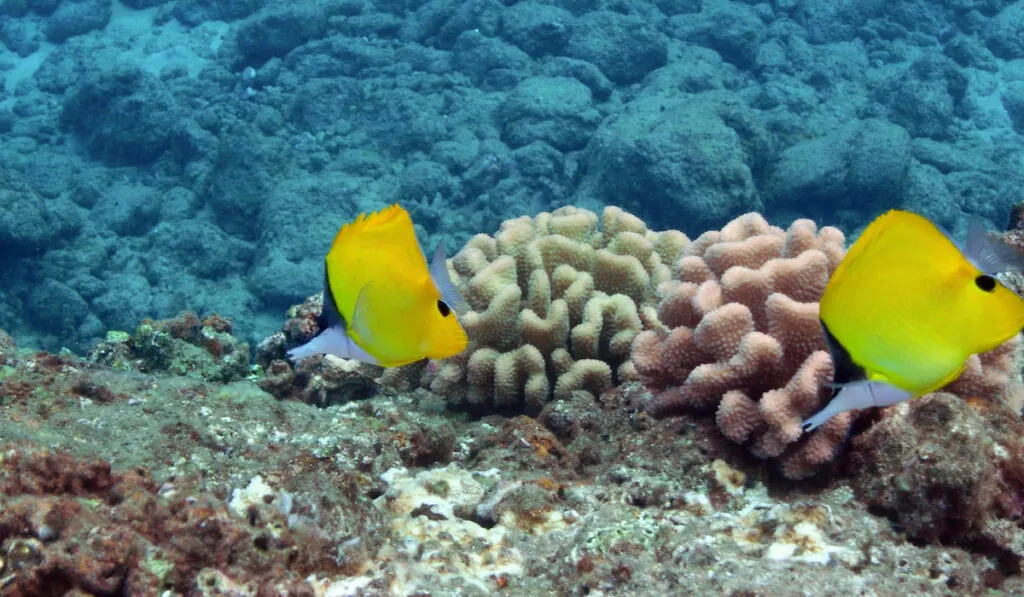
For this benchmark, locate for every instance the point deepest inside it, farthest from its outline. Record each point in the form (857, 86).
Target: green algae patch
(242, 391)
(156, 562)
(118, 337)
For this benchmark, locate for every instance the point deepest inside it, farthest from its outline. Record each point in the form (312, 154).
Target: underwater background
(169, 155)
(173, 173)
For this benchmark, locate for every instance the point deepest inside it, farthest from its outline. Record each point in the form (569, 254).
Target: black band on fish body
(329, 314)
(846, 370)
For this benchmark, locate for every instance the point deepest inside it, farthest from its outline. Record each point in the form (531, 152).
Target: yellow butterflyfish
(383, 303)
(907, 306)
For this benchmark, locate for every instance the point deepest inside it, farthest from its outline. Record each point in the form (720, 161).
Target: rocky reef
(126, 472)
(163, 155)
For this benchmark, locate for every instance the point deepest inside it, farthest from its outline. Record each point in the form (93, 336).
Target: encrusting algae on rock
(182, 345)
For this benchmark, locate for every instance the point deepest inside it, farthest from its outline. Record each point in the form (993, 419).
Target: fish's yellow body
(381, 295)
(907, 306)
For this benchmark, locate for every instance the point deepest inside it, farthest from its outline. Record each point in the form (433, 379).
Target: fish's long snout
(442, 281)
(990, 253)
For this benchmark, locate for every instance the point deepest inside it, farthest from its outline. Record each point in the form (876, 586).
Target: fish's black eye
(444, 308)
(985, 282)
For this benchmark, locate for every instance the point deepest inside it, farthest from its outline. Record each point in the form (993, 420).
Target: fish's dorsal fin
(443, 282)
(367, 221)
(988, 252)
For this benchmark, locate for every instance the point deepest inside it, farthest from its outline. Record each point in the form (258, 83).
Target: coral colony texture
(643, 202)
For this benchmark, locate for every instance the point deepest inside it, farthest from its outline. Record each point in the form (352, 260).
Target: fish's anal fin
(332, 340)
(857, 395)
(443, 282)
(988, 252)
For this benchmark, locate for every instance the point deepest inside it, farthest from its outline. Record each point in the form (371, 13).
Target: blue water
(160, 156)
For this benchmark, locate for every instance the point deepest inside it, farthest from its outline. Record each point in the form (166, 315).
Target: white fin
(334, 341)
(988, 252)
(858, 395)
(443, 282)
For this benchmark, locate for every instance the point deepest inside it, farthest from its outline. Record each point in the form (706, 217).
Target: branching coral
(556, 302)
(742, 337)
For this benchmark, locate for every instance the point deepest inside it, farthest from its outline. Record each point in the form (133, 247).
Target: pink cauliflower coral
(742, 337)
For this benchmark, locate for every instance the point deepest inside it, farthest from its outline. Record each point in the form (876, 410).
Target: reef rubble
(156, 484)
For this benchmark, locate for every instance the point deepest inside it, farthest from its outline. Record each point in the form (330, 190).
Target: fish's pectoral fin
(377, 301)
(855, 396)
(443, 282)
(988, 252)
(332, 340)
(362, 314)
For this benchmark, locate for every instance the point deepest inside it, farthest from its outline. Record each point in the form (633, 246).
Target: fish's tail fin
(989, 253)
